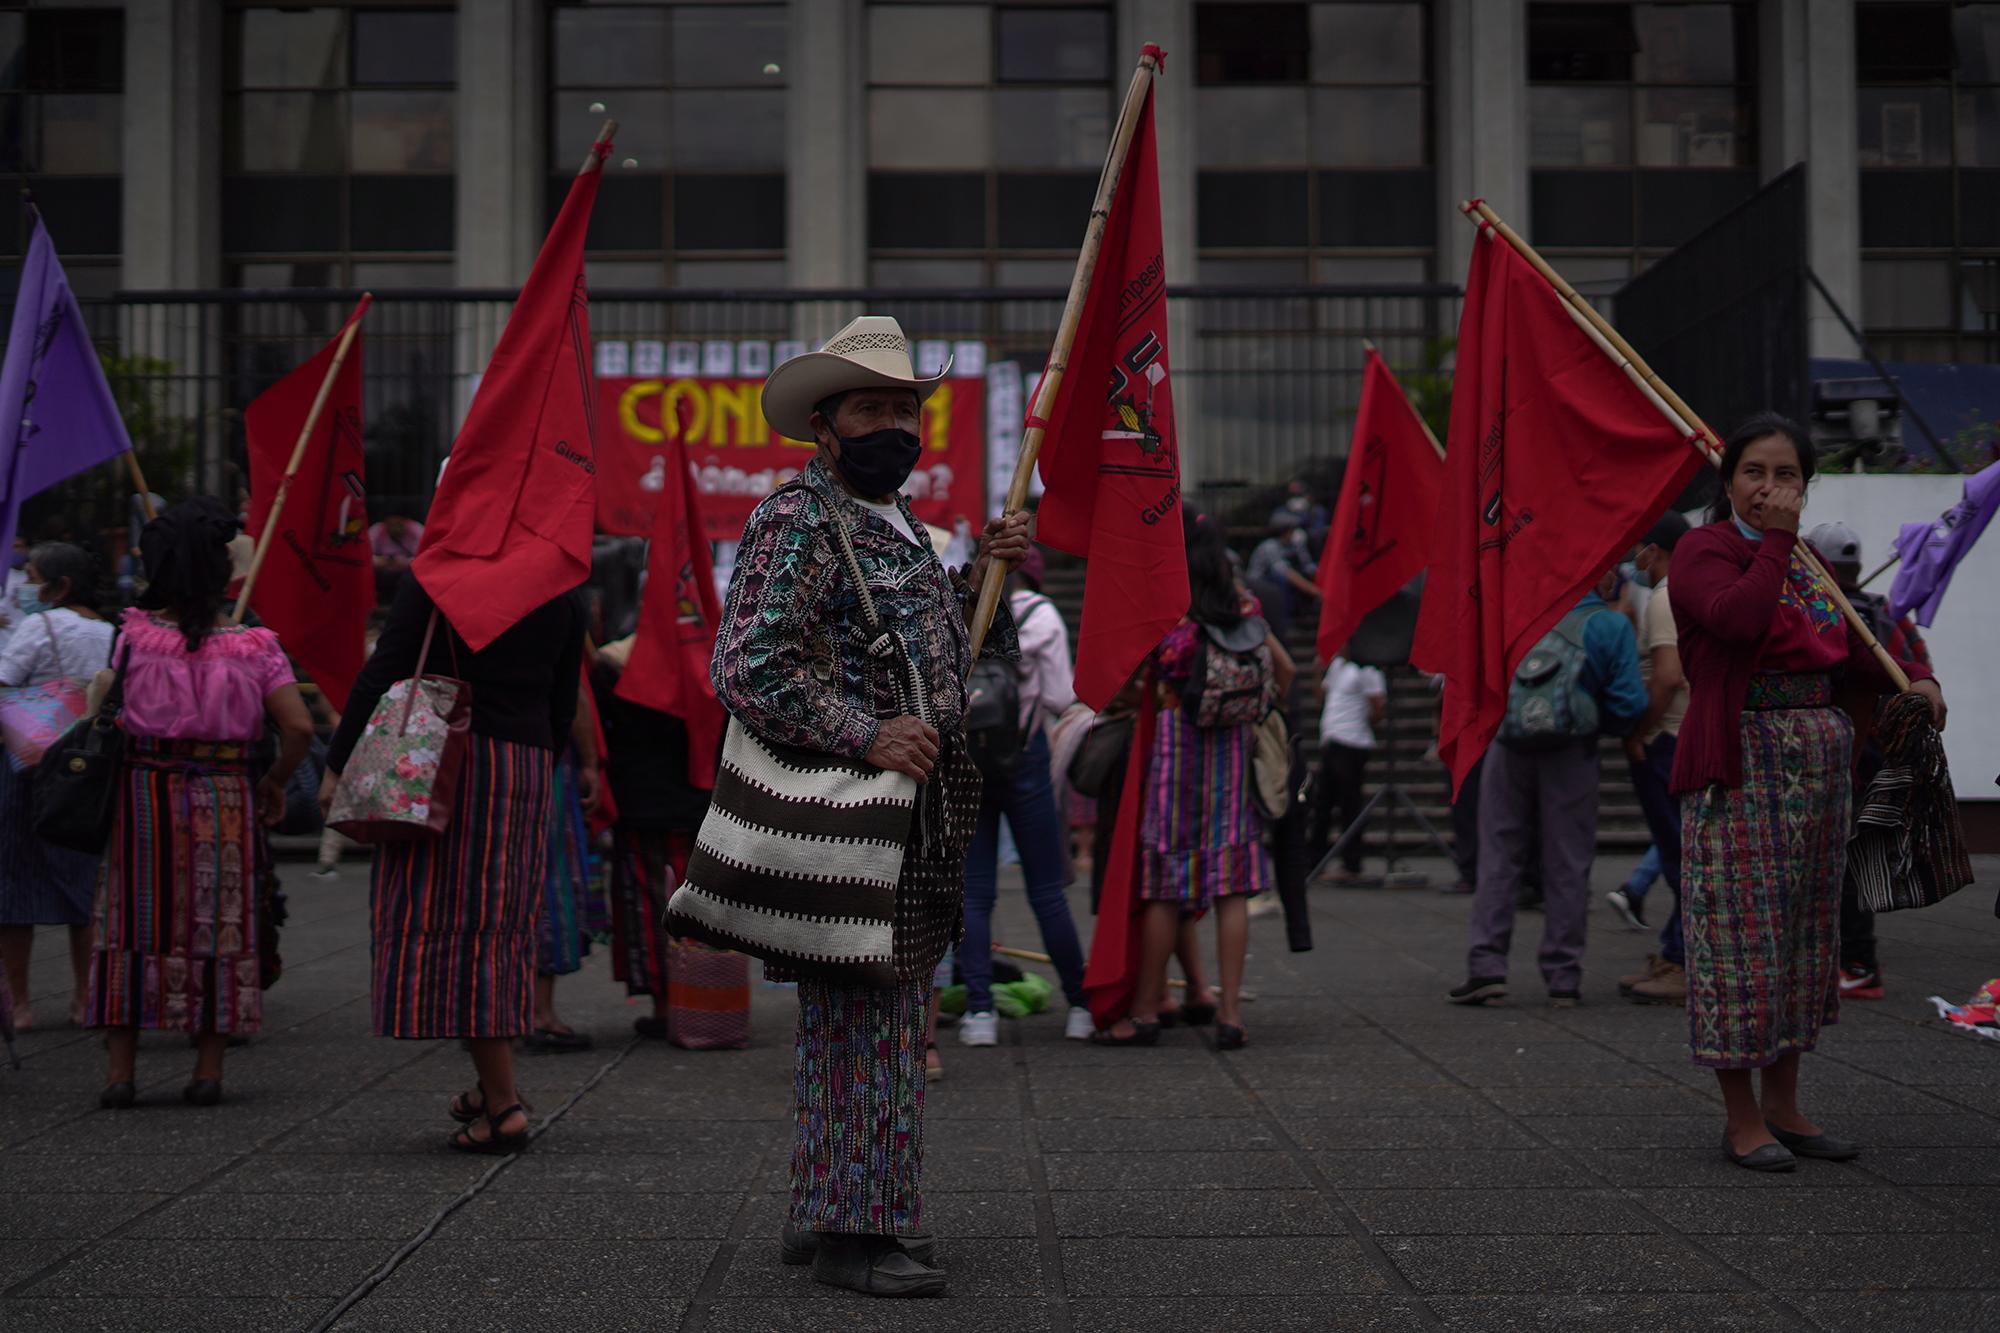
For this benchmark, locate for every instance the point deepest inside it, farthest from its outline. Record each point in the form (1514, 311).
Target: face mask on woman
(29, 598)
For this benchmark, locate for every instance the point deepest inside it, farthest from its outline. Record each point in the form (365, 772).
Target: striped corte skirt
(454, 918)
(646, 865)
(1200, 835)
(1760, 891)
(858, 1147)
(176, 910)
(41, 884)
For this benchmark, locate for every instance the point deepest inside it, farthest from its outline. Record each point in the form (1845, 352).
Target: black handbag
(1102, 753)
(76, 784)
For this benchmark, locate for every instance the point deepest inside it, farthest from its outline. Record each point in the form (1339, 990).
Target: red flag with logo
(1109, 463)
(511, 524)
(317, 584)
(1556, 463)
(1386, 518)
(668, 669)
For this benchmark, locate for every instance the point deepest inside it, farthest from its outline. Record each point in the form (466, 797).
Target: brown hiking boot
(1654, 966)
(1669, 987)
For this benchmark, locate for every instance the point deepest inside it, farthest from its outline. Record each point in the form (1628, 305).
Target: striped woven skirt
(41, 884)
(453, 919)
(858, 1150)
(1200, 834)
(1760, 890)
(176, 910)
(646, 866)
(560, 943)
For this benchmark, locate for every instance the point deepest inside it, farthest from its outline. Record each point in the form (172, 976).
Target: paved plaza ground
(1374, 1160)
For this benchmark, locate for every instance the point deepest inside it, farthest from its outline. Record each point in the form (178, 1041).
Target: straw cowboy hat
(870, 353)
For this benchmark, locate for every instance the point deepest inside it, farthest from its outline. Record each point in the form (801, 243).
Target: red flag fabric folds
(511, 523)
(668, 669)
(317, 585)
(1556, 463)
(1109, 976)
(1109, 462)
(1386, 518)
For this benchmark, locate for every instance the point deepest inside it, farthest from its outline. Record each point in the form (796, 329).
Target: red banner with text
(738, 459)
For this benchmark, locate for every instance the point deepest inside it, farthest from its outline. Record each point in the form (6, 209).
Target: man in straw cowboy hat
(793, 665)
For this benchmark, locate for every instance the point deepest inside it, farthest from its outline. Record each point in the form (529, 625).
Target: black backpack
(993, 735)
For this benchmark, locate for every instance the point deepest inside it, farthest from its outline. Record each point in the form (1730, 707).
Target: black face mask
(878, 462)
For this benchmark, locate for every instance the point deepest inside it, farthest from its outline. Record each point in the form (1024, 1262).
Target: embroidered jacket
(791, 655)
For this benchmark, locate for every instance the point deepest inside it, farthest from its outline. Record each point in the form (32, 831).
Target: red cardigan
(1724, 588)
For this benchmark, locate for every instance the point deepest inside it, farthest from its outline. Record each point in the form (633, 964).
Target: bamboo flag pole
(298, 457)
(131, 454)
(1429, 434)
(1670, 405)
(1079, 289)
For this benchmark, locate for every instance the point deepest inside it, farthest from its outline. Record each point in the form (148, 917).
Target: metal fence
(1265, 381)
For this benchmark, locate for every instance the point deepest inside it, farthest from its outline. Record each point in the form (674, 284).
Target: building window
(62, 119)
(1641, 128)
(694, 193)
(987, 126)
(1928, 132)
(338, 146)
(1314, 143)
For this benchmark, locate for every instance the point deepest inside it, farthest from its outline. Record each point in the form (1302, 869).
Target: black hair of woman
(66, 570)
(1212, 594)
(1754, 428)
(186, 553)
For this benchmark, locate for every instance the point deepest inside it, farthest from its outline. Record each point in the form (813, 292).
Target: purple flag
(1929, 552)
(52, 392)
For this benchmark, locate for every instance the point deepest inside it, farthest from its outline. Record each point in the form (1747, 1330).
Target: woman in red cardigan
(1762, 769)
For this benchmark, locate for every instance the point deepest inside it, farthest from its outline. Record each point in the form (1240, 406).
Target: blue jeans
(1029, 802)
(1663, 819)
(1644, 875)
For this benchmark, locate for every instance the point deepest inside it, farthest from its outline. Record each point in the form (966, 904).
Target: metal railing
(1265, 380)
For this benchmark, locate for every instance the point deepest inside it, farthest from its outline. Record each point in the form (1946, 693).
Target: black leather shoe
(1766, 1157)
(797, 1246)
(118, 1096)
(202, 1092)
(873, 1266)
(1825, 1147)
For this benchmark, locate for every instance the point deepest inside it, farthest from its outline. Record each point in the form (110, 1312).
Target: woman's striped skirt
(176, 911)
(1201, 836)
(41, 884)
(646, 868)
(1760, 891)
(858, 1144)
(453, 918)
(560, 943)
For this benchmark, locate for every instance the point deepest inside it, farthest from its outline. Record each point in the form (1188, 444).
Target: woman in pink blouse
(176, 912)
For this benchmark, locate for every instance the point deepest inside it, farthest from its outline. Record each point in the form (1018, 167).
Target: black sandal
(464, 1112)
(1229, 1037)
(495, 1144)
(1143, 1034)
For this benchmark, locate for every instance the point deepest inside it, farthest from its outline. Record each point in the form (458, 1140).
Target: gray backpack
(1547, 706)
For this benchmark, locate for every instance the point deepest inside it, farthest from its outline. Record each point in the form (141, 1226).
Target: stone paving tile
(95, 1314)
(1299, 1266)
(440, 1310)
(21, 1260)
(635, 1217)
(1884, 1259)
(1204, 1134)
(1107, 1103)
(1639, 1168)
(1865, 1210)
(46, 1216)
(1900, 1311)
(188, 1269)
(1934, 1166)
(1437, 1099)
(1606, 1313)
(1503, 1264)
(950, 1217)
(31, 1173)
(1172, 1170)
(1267, 1314)
(1976, 1206)
(393, 1215)
(1194, 1213)
(981, 1270)
(1445, 1134)
(339, 1173)
(846, 1311)
(1462, 1212)
(555, 1269)
(1464, 1169)
(577, 1173)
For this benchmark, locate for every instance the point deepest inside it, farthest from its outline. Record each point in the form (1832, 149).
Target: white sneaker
(979, 1029)
(1080, 1024)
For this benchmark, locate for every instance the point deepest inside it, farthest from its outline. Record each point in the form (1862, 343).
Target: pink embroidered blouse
(216, 694)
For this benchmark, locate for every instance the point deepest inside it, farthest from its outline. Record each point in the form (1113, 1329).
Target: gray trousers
(1519, 790)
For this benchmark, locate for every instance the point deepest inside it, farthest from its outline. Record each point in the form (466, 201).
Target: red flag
(605, 817)
(1557, 463)
(1384, 522)
(317, 584)
(668, 669)
(1109, 461)
(511, 523)
(1114, 946)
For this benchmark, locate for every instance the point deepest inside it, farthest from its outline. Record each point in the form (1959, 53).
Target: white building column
(172, 209)
(1482, 114)
(1806, 78)
(501, 158)
(826, 149)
